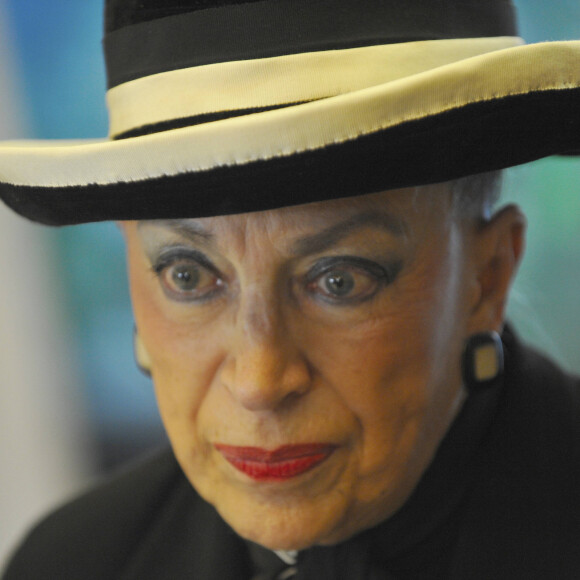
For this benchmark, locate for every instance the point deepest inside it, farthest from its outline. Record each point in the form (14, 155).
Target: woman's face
(306, 359)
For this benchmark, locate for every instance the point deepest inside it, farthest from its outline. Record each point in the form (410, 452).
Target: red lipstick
(283, 463)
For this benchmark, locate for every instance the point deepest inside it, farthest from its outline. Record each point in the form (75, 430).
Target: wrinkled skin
(340, 322)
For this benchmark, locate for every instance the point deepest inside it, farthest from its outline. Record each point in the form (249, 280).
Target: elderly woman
(319, 283)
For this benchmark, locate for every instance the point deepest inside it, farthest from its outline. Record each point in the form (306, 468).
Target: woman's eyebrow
(186, 228)
(330, 236)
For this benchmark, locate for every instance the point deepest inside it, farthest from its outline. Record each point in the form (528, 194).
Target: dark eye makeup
(348, 280)
(188, 275)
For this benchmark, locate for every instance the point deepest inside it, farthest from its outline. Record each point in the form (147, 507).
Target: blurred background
(72, 404)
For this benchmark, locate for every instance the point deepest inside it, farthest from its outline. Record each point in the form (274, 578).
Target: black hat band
(274, 28)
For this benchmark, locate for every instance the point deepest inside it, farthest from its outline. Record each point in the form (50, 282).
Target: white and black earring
(482, 361)
(141, 356)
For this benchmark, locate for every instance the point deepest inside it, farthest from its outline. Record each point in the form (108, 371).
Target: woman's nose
(264, 367)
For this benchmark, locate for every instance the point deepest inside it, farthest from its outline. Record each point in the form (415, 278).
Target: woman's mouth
(279, 464)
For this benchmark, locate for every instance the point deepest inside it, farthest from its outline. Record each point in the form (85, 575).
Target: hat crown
(146, 37)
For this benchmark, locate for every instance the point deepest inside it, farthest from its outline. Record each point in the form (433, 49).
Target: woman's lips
(279, 464)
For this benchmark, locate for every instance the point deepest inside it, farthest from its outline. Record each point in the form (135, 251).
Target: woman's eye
(348, 281)
(340, 283)
(186, 279)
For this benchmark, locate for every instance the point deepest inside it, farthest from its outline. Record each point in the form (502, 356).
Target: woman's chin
(296, 522)
(292, 529)
(284, 521)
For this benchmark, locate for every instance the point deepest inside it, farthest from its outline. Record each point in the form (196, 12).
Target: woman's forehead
(394, 211)
(293, 239)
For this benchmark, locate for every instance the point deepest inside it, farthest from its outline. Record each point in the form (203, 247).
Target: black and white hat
(230, 106)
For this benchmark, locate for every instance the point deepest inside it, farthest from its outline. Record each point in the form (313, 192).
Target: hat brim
(482, 113)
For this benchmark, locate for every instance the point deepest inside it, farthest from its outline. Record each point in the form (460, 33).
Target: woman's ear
(499, 248)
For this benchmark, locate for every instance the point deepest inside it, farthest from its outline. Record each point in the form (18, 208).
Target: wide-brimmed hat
(229, 106)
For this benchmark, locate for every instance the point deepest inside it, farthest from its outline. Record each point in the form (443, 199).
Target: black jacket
(517, 519)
